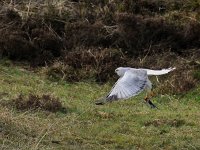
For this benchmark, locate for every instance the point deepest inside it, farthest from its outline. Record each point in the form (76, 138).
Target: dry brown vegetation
(35, 102)
(83, 40)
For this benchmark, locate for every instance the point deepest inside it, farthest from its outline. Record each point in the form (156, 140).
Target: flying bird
(132, 81)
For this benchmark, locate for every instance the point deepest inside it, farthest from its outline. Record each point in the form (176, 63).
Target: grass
(129, 124)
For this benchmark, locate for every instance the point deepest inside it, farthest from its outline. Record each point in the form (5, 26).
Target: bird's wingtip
(172, 68)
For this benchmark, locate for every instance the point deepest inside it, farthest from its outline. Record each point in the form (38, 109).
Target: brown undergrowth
(85, 64)
(36, 102)
(96, 67)
(184, 78)
(46, 31)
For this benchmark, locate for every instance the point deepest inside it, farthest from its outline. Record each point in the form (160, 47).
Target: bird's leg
(147, 98)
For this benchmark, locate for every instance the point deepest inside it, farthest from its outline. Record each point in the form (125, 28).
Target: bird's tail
(159, 72)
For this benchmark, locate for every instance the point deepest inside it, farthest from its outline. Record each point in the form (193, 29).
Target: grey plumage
(131, 82)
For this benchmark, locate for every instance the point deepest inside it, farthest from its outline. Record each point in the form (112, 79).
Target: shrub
(88, 64)
(36, 102)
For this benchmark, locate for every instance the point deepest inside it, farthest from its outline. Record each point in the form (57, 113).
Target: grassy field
(127, 124)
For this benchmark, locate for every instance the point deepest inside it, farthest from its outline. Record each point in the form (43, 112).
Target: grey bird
(132, 81)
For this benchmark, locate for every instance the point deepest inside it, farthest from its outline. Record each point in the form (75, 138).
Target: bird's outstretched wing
(131, 84)
(159, 72)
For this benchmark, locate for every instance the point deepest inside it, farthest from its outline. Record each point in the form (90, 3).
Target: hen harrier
(131, 82)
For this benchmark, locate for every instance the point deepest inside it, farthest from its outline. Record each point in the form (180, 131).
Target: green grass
(129, 124)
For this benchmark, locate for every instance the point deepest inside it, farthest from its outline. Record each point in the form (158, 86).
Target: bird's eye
(116, 70)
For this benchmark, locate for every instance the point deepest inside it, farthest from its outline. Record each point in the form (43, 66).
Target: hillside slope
(80, 124)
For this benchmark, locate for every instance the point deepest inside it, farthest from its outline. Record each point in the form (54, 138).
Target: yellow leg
(146, 98)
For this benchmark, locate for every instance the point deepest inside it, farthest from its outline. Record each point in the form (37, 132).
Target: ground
(129, 124)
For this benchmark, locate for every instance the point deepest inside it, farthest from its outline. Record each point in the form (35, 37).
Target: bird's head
(121, 70)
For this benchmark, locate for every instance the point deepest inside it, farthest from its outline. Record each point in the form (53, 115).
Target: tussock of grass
(35, 102)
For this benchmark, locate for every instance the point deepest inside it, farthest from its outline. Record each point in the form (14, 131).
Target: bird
(131, 82)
